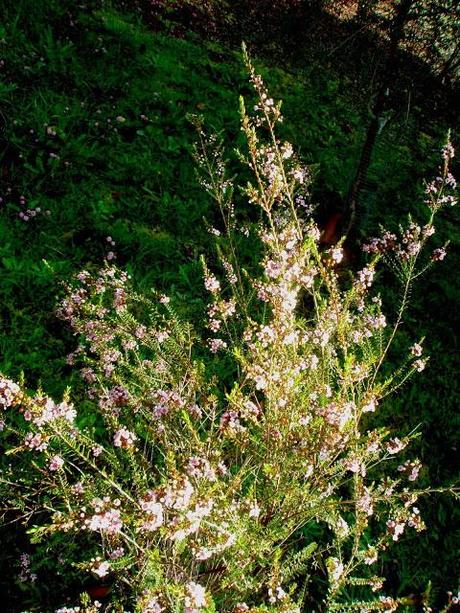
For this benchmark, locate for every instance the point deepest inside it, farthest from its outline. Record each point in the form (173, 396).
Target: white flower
(101, 569)
(276, 594)
(335, 569)
(337, 255)
(370, 556)
(155, 512)
(287, 151)
(370, 405)
(196, 596)
(109, 521)
(152, 606)
(211, 284)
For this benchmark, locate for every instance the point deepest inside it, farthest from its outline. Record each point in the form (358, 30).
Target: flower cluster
(105, 520)
(25, 573)
(10, 393)
(43, 410)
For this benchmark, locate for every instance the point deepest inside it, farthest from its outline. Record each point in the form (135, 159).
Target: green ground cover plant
(96, 143)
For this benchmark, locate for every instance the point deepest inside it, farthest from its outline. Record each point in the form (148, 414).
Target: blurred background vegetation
(95, 141)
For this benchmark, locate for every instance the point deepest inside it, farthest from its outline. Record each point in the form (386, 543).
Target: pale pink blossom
(216, 344)
(394, 446)
(100, 569)
(107, 521)
(276, 594)
(124, 438)
(395, 528)
(35, 441)
(337, 255)
(419, 365)
(56, 463)
(370, 405)
(411, 469)
(10, 393)
(438, 254)
(448, 152)
(211, 283)
(195, 598)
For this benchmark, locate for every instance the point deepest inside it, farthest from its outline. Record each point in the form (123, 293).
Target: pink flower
(395, 446)
(117, 553)
(25, 572)
(366, 503)
(410, 469)
(78, 488)
(100, 569)
(371, 556)
(419, 365)
(366, 276)
(108, 521)
(448, 152)
(337, 415)
(395, 528)
(438, 255)
(273, 269)
(200, 468)
(211, 284)
(10, 393)
(124, 438)
(154, 511)
(276, 594)
(56, 463)
(152, 606)
(216, 344)
(35, 441)
(355, 465)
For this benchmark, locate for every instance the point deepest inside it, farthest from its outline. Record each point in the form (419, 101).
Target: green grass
(132, 179)
(75, 71)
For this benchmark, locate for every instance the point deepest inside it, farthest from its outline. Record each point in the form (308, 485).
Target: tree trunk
(396, 32)
(451, 65)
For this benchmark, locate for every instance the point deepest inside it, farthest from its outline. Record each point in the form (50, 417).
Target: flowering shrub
(187, 493)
